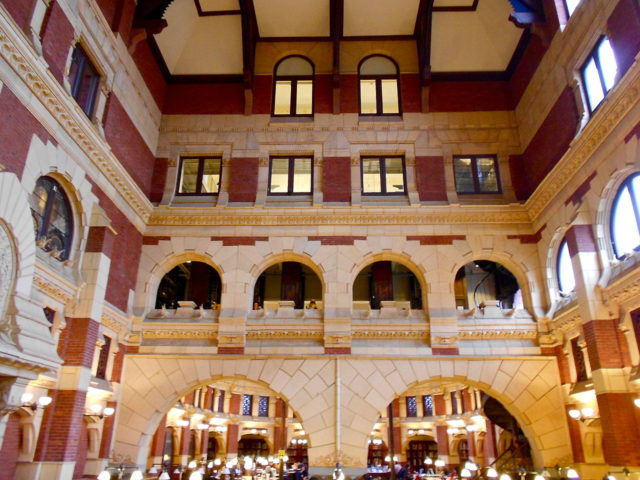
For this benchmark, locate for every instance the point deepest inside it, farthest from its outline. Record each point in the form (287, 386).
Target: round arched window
(379, 92)
(293, 87)
(625, 217)
(52, 218)
(566, 278)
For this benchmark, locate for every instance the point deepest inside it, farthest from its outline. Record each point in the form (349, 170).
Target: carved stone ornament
(548, 339)
(494, 334)
(338, 456)
(445, 340)
(7, 278)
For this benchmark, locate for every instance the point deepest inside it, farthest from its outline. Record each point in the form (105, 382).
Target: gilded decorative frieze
(497, 334)
(53, 290)
(181, 333)
(623, 290)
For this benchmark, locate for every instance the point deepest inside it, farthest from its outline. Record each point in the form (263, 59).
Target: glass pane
(464, 175)
(390, 103)
(378, 65)
(294, 66)
(279, 175)
(572, 5)
(487, 176)
(283, 98)
(593, 84)
(566, 280)
(371, 175)
(211, 175)
(304, 97)
(607, 63)
(246, 404)
(412, 407)
(302, 175)
(394, 180)
(188, 180)
(38, 199)
(625, 236)
(368, 97)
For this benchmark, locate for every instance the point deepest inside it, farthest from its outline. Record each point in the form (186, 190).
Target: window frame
(46, 217)
(290, 179)
(566, 8)
(562, 292)
(378, 78)
(294, 79)
(75, 83)
(474, 172)
(593, 55)
(382, 173)
(627, 184)
(198, 192)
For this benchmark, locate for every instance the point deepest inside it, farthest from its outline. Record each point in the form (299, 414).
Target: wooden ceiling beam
(422, 35)
(249, 40)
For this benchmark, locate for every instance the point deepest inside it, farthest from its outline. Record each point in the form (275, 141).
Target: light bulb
(44, 401)
(571, 473)
(96, 409)
(26, 397)
(492, 473)
(104, 475)
(505, 476)
(465, 473)
(574, 413)
(428, 461)
(108, 411)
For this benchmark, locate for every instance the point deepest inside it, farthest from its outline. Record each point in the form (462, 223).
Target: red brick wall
(620, 421)
(81, 456)
(323, 94)
(109, 8)
(233, 436)
(243, 181)
(158, 179)
(527, 66)
(56, 41)
(118, 363)
(10, 447)
(575, 436)
(439, 405)
(204, 99)
(442, 439)
(624, 32)
(563, 362)
(336, 179)
(126, 254)
(62, 425)
(430, 179)
(547, 146)
(78, 341)
(580, 239)
(349, 94)
(469, 96)
(100, 240)
(150, 71)
(603, 344)
(127, 144)
(119, 15)
(20, 10)
(108, 428)
(16, 130)
(262, 91)
(410, 92)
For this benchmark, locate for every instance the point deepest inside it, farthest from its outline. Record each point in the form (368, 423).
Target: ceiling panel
(483, 40)
(453, 3)
(380, 17)
(292, 18)
(218, 5)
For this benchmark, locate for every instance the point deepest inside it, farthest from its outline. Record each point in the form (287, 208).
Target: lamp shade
(428, 461)
(195, 476)
(104, 475)
(192, 464)
(492, 473)
(505, 476)
(571, 473)
(136, 475)
(465, 473)
(164, 476)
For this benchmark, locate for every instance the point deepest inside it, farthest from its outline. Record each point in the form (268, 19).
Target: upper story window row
(293, 87)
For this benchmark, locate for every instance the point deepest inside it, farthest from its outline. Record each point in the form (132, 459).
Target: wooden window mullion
(378, 96)
(596, 59)
(383, 174)
(634, 204)
(294, 97)
(292, 169)
(199, 175)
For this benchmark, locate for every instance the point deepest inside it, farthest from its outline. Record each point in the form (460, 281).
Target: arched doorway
(376, 453)
(252, 446)
(387, 281)
(194, 281)
(420, 448)
(212, 446)
(297, 451)
(288, 282)
(483, 282)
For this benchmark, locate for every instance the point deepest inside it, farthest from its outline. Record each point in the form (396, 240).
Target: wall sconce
(26, 401)
(104, 475)
(492, 472)
(583, 414)
(439, 463)
(203, 426)
(164, 476)
(636, 402)
(136, 475)
(184, 422)
(98, 412)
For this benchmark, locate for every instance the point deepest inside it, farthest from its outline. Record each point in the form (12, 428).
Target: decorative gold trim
(497, 334)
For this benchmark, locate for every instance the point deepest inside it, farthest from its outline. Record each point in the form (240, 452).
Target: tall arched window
(379, 86)
(564, 269)
(293, 87)
(625, 217)
(52, 218)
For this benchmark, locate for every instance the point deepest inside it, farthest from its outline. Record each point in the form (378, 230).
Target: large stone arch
(349, 391)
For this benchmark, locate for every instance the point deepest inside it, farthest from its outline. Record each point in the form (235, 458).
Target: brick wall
(620, 436)
(204, 99)
(127, 144)
(56, 41)
(119, 15)
(547, 146)
(323, 94)
(243, 180)
(349, 94)
(469, 96)
(20, 10)
(10, 447)
(623, 26)
(262, 91)
(158, 179)
(150, 71)
(16, 130)
(81, 456)
(527, 66)
(410, 92)
(430, 179)
(603, 344)
(336, 179)
(77, 341)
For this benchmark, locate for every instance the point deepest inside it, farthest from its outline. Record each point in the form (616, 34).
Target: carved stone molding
(187, 333)
(445, 340)
(495, 334)
(114, 321)
(273, 334)
(623, 290)
(338, 456)
(50, 288)
(382, 333)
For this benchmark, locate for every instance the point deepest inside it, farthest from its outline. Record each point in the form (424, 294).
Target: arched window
(293, 87)
(379, 86)
(625, 217)
(564, 269)
(52, 218)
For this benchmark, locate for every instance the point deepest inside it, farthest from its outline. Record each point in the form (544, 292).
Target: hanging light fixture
(492, 472)
(104, 475)
(136, 475)
(572, 474)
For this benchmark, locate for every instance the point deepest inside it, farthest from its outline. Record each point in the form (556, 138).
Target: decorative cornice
(115, 321)
(432, 215)
(21, 57)
(614, 108)
(53, 287)
(497, 334)
(623, 289)
(173, 333)
(566, 321)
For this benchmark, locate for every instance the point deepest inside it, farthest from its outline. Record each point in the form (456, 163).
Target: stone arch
(288, 256)
(518, 269)
(551, 269)
(149, 281)
(153, 384)
(417, 269)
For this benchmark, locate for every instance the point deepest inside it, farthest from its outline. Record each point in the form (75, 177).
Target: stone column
(57, 448)
(185, 444)
(157, 443)
(607, 352)
(442, 437)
